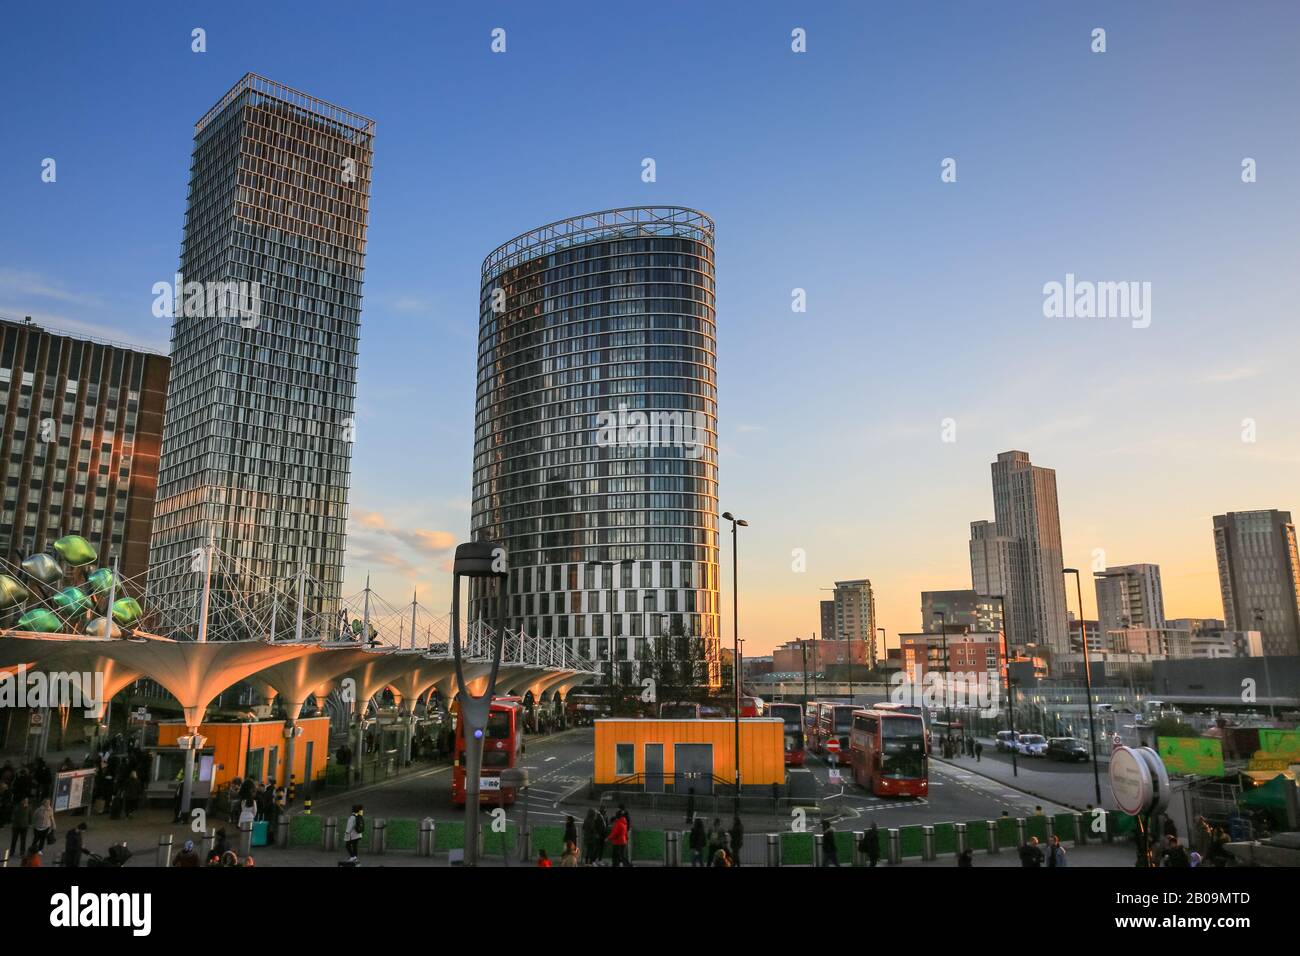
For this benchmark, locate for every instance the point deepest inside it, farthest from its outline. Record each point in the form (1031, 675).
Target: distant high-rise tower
(991, 559)
(1025, 511)
(855, 615)
(1259, 576)
(828, 621)
(1130, 596)
(257, 441)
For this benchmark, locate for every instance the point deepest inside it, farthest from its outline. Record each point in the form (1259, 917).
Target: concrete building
(1130, 596)
(1026, 511)
(595, 439)
(827, 632)
(789, 657)
(855, 616)
(967, 610)
(1259, 576)
(974, 652)
(80, 425)
(257, 445)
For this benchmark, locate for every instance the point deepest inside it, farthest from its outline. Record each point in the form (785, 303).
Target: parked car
(1031, 745)
(1006, 741)
(1067, 748)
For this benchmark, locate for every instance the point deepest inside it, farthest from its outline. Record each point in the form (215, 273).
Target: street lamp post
(1011, 694)
(882, 645)
(947, 704)
(1087, 674)
(736, 523)
(478, 559)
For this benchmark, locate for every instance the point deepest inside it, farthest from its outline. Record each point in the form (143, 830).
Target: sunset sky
(822, 172)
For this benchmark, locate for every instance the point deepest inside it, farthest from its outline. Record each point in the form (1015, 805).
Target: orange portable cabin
(256, 749)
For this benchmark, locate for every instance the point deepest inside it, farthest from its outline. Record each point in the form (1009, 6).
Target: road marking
(548, 759)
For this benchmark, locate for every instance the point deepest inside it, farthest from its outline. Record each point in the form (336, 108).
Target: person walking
(1174, 854)
(570, 855)
(73, 844)
(187, 857)
(979, 751)
(965, 858)
(722, 855)
(42, 825)
(1056, 853)
(589, 837)
(352, 833)
(543, 860)
(737, 838)
(602, 834)
(717, 836)
(830, 852)
(618, 837)
(699, 842)
(131, 791)
(870, 844)
(19, 822)
(570, 830)
(1030, 854)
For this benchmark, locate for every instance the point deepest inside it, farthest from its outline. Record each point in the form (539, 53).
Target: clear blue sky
(822, 172)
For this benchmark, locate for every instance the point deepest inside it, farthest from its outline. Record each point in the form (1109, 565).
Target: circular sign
(833, 746)
(1130, 781)
(1160, 789)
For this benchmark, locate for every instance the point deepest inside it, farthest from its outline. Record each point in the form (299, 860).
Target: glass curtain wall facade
(257, 441)
(595, 441)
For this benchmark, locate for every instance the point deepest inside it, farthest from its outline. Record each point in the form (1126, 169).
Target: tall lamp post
(736, 523)
(1087, 673)
(882, 644)
(1011, 694)
(947, 703)
(478, 559)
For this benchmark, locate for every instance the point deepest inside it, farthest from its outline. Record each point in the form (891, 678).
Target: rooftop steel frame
(262, 86)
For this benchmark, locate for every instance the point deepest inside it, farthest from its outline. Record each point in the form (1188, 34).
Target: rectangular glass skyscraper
(257, 440)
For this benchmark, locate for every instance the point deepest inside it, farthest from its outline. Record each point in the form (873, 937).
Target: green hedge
(1036, 826)
(448, 835)
(1008, 833)
(402, 835)
(1063, 826)
(945, 838)
(796, 849)
(494, 843)
(550, 839)
(306, 830)
(648, 845)
(977, 834)
(844, 847)
(1121, 824)
(910, 842)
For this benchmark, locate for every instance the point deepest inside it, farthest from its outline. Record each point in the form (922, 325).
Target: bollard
(330, 833)
(380, 838)
(246, 838)
(855, 854)
(1022, 831)
(209, 843)
(4, 859)
(817, 850)
(962, 837)
(895, 845)
(306, 806)
(928, 851)
(526, 843)
(993, 836)
(165, 850)
(425, 843)
(773, 849)
(672, 847)
(282, 831)
(1080, 834)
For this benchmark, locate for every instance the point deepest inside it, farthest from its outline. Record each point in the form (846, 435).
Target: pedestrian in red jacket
(618, 840)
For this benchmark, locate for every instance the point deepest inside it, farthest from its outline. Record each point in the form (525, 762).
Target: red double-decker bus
(791, 717)
(503, 743)
(887, 752)
(752, 706)
(834, 721)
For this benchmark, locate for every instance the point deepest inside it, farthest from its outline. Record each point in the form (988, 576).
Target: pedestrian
(618, 837)
(542, 858)
(1030, 854)
(979, 751)
(1167, 826)
(570, 830)
(72, 845)
(1038, 810)
(722, 855)
(1175, 854)
(570, 855)
(830, 852)
(42, 825)
(186, 857)
(737, 837)
(589, 837)
(870, 844)
(131, 791)
(247, 811)
(1056, 853)
(699, 842)
(19, 822)
(965, 858)
(602, 834)
(717, 836)
(690, 807)
(352, 833)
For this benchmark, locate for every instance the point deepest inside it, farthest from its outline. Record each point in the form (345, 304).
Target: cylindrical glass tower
(595, 439)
